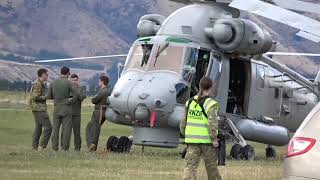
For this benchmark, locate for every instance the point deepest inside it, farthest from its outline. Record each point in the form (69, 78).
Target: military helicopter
(260, 99)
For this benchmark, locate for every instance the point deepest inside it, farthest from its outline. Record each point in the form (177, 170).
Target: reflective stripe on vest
(197, 123)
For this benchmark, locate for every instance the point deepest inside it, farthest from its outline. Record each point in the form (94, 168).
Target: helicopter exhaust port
(239, 36)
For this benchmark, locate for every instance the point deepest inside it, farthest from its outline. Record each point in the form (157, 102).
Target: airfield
(18, 161)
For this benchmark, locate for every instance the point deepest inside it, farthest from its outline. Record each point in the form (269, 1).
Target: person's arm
(183, 124)
(82, 95)
(36, 93)
(98, 97)
(213, 123)
(75, 93)
(108, 94)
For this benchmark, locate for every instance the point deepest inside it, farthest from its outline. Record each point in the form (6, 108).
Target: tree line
(25, 86)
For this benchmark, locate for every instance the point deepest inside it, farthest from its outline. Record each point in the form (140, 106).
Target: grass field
(18, 161)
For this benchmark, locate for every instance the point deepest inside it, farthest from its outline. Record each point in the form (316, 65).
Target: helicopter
(260, 99)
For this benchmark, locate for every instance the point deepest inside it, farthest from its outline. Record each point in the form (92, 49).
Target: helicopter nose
(153, 96)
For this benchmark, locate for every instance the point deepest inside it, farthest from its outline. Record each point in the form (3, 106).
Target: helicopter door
(201, 70)
(239, 87)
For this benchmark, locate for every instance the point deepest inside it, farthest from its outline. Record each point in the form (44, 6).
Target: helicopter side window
(260, 76)
(188, 71)
(139, 57)
(215, 73)
(189, 66)
(201, 69)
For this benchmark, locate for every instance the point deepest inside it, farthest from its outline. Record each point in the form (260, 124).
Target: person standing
(76, 112)
(200, 130)
(98, 116)
(38, 107)
(60, 91)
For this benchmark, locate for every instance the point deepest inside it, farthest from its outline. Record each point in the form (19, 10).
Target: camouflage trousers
(42, 127)
(210, 157)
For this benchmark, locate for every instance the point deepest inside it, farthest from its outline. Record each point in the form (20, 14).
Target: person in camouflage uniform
(60, 91)
(76, 112)
(200, 130)
(98, 117)
(39, 109)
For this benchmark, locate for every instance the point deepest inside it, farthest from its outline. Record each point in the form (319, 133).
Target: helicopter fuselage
(162, 72)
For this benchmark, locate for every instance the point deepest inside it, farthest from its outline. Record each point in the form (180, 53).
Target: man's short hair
(65, 71)
(104, 79)
(41, 72)
(74, 76)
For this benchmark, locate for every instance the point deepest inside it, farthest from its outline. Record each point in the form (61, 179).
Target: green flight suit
(60, 91)
(76, 118)
(207, 151)
(39, 109)
(93, 127)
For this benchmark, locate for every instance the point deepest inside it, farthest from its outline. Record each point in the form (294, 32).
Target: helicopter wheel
(248, 153)
(271, 152)
(236, 152)
(124, 145)
(112, 144)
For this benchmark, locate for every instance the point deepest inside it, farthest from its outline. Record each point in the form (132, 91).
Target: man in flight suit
(39, 109)
(200, 129)
(60, 91)
(76, 112)
(98, 117)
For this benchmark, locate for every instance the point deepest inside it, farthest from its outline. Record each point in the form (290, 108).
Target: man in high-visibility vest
(200, 130)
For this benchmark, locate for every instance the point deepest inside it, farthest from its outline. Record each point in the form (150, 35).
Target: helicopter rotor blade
(292, 54)
(309, 28)
(80, 58)
(298, 5)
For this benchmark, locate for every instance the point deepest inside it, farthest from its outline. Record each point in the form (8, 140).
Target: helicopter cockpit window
(139, 57)
(168, 58)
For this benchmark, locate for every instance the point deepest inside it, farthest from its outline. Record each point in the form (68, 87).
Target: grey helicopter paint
(260, 99)
(164, 66)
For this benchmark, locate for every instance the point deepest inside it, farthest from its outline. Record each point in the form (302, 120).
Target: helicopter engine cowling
(239, 36)
(149, 24)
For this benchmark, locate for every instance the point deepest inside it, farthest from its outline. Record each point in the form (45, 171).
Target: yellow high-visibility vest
(197, 131)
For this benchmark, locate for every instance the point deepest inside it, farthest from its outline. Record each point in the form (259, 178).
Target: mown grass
(18, 161)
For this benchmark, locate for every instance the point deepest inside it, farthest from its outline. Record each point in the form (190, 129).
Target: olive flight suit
(60, 91)
(76, 118)
(98, 116)
(39, 109)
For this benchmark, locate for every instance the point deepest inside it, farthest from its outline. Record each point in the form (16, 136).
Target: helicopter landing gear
(119, 145)
(240, 150)
(112, 143)
(247, 152)
(236, 152)
(271, 152)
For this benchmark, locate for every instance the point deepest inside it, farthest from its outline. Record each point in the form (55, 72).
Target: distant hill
(45, 29)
